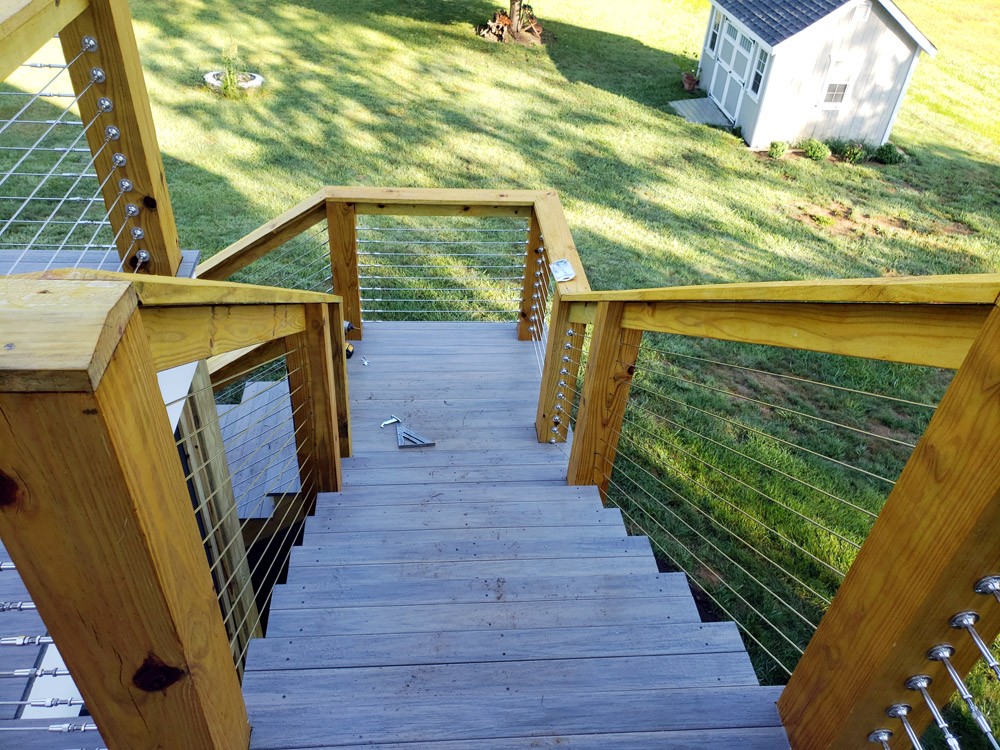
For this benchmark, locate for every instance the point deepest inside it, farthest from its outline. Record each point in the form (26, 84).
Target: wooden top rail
(25, 25)
(543, 205)
(185, 319)
(929, 320)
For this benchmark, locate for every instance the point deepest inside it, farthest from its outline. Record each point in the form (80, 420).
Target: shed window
(837, 85)
(746, 44)
(758, 71)
(731, 30)
(713, 37)
(862, 12)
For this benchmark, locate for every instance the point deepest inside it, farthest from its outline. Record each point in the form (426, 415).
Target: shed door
(732, 71)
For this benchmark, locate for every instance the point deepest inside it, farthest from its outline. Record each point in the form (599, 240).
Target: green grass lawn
(382, 93)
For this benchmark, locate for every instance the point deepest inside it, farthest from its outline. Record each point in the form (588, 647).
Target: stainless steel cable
(34, 98)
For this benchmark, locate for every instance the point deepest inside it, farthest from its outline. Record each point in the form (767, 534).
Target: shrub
(855, 153)
(837, 147)
(777, 150)
(887, 153)
(815, 150)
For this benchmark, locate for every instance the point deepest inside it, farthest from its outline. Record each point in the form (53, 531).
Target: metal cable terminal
(16, 606)
(25, 640)
(105, 105)
(89, 44)
(989, 585)
(97, 75)
(881, 737)
(920, 683)
(967, 621)
(900, 711)
(119, 160)
(943, 653)
(112, 133)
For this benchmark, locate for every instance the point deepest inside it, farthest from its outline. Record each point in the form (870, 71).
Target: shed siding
(880, 52)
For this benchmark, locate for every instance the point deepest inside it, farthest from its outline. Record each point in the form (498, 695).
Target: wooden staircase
(462, 596)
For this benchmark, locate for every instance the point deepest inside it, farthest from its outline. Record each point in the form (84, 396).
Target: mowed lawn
(383, 93)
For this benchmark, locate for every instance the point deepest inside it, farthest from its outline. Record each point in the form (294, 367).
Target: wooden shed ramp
(462, 596)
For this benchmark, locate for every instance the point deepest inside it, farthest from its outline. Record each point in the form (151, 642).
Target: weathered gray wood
(492, 616)
(755, 738)
(32, 734)
(478, 683)
(405, 459)
(346, 554)
(439, 474)
(559, 514)
(465, 569)
(448, 647)
(504, 715)
(415, 539)
(458, 492)
(473, 590)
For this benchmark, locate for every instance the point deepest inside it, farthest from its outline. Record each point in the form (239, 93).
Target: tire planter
(247, 82)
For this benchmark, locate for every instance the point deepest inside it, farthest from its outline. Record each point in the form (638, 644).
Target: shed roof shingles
(774, 21)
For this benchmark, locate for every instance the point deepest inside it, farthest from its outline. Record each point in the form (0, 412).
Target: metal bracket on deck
(407, 438)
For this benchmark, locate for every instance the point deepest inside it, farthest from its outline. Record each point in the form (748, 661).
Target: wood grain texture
(265, 238)
(932, 335)
(559, 243)
(162, 291)
(93, 480)
(958, 289)
(341, 384)
(178, 335)
(548, 394)
(25, 25)
(610, 367)
(341, 224)
(309, 357)
(36, 354)
(110, 22)
(930, 544)
(225, 367)
(200, 440)
(435, 201)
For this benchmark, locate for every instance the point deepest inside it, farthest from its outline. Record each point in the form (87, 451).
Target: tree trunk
(515, 17)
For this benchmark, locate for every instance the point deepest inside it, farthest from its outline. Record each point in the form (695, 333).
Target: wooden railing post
(342, 227)
(212, 492)
(934, 538)
(524, 322)
(311, 381)
(610, 366)
(558, 358)
(95, 513)
(117, 55)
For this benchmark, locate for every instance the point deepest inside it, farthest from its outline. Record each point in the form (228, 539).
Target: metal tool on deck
(405, 437)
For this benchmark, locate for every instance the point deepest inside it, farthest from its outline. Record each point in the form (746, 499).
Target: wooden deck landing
(463, 597)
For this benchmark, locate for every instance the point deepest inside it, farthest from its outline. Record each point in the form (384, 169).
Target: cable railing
(164, 563)
(808, 454)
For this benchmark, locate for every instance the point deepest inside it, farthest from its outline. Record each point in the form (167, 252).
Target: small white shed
(785, 70)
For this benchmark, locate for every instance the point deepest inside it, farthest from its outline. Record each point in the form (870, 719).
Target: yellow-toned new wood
(225, 367)
(340, 383)
(178, 335)
(534, 250)
(376, 200)
(310, 360)
(265, 238)
(110, 22)
(960, 289)
(610, 367)
(202, 444)
(933, 335)
(95, 513)
(933, 539)
(582, 312)
(555, 352)
(341, 224)
(559, 243)
(37, 350)
(162, 291)
(25, 25)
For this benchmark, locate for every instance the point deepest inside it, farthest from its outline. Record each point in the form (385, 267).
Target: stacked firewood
(496, 30)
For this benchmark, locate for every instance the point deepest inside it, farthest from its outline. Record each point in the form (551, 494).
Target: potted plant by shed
(690, 80)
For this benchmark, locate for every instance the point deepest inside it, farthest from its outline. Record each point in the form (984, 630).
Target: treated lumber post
(95, 513)
(610, 366)
(935, 537)
(110, 23)
(311, 375)
(562, 364)
(212, 492)
(341, 225)
(524, 322)
(340, 383)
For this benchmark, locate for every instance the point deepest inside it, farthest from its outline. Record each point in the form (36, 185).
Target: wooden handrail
(95, 513)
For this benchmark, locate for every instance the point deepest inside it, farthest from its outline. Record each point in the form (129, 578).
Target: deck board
(462, 596)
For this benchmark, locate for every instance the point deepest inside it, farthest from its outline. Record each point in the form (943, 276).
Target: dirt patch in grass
(837, 219)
